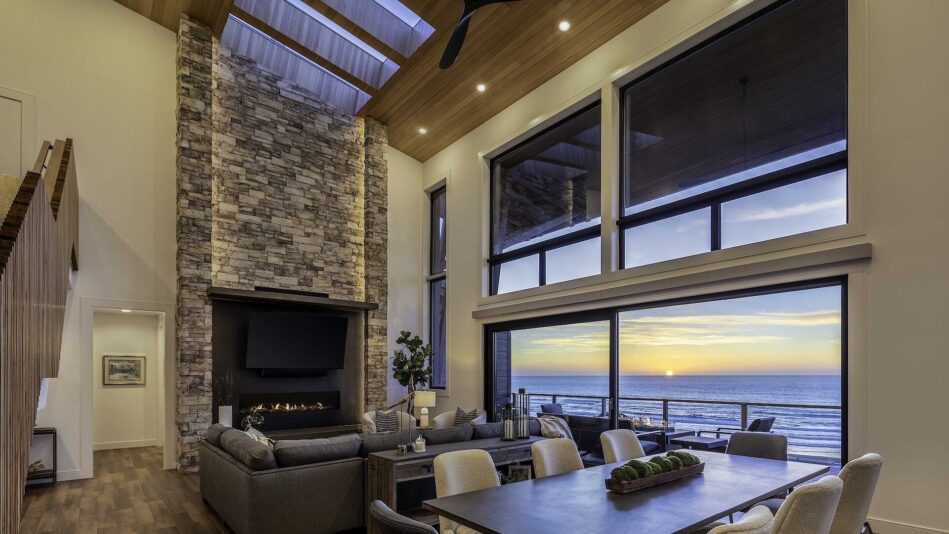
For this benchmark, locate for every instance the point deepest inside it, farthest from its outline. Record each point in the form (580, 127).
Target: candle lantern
(507, 423)
(522, 413)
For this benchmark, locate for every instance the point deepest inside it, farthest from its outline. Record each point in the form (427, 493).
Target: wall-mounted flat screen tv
(277, 340)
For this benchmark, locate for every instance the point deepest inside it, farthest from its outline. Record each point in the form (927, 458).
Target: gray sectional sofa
(296, 486)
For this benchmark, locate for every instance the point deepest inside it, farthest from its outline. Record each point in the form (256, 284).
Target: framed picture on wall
(123, 369)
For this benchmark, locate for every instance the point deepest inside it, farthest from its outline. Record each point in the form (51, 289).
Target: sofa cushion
(248, 450)
(310, 451)
(214, 434)
(486, 430)
(466, 418)
(385, 441)
(437, 436)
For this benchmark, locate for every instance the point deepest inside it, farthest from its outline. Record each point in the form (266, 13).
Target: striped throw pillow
(465, 418)
(387, 421)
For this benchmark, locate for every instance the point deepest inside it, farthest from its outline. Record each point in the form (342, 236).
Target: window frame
(716, 197)
(540, 248)
(432, 278)
(612, 314)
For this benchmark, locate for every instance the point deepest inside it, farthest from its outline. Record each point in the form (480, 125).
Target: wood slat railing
(38, 239)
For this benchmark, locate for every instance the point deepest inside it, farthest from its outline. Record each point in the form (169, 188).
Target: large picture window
(699, 364)
(740, 140)
(545, 206)
(437, 287)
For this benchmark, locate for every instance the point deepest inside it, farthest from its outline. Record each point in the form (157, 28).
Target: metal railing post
(665, 410)
(744, 416)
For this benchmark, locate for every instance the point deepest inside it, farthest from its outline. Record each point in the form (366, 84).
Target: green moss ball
(686, 458)
(642, 469)
(624, 473)
(662, 462)
(675, 461)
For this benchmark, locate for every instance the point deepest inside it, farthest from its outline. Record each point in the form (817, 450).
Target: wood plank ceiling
(512, 48)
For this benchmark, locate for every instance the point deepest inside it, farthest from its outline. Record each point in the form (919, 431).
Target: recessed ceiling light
(126, 311)
(564, 25)
(422, 131)
(481, 87)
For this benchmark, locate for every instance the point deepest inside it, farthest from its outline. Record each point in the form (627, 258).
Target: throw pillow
(311, 451)
(465, 418)
(260, 437)
(387, 421)
(448, 435)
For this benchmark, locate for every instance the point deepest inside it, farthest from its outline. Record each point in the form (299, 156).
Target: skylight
(337, 29)
(325, 38)
(245, 40)
(389, 21)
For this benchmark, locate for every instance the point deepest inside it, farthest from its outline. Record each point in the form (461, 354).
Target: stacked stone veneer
(275, 189)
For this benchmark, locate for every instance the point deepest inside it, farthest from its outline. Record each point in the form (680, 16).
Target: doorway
(128, 360)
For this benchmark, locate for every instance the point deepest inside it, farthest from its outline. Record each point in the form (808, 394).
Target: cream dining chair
(809, 509)
(460, 472)
(620, 445)
(758, 520)
(555, 456)
(860, 480)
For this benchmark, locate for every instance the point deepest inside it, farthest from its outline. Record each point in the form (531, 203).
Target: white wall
(128, 415)
(404, 252)
(104, 76)
(899, 71)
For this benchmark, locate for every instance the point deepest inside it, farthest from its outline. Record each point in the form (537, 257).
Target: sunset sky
(786, 333)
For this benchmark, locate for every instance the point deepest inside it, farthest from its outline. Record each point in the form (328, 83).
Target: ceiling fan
(461, 30)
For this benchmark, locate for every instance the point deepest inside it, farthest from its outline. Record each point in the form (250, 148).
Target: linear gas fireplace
(291, 410)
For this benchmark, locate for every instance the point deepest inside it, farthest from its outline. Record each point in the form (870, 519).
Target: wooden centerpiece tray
(629, 486)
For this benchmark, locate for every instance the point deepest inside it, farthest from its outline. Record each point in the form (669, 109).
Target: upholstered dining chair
(810, 508)
(555, 456)
(758, 520)
(389, 522)
(620, 445)
(860, 479)
(460, 472)
(406, 421)
(758, 445)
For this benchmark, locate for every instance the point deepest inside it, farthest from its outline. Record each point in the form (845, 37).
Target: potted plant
(223, 395)
(411, 366)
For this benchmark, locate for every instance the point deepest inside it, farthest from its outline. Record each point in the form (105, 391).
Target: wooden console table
(385, 470)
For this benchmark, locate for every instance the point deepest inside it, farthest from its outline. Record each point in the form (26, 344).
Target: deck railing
(605, 403)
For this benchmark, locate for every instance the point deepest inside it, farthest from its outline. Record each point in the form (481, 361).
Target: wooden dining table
(578, 502)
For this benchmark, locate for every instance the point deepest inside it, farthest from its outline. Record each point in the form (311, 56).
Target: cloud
(805, 208)
(814, 318)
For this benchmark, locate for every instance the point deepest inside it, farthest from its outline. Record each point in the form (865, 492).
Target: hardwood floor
(129, 493)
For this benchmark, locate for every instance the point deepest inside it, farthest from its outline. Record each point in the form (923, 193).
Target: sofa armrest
(322, 497)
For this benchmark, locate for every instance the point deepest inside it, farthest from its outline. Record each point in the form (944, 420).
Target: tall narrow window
(545, 206)
(740, 140)
(437, 287)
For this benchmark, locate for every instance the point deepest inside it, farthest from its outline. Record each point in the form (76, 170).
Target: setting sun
(669, 372)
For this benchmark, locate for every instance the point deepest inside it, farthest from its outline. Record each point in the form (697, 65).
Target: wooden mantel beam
(276, 35)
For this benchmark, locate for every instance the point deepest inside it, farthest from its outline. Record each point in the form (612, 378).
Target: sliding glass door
(697, 365)
(725, 362)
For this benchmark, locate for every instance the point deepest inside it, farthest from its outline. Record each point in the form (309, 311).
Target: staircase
(38, 239)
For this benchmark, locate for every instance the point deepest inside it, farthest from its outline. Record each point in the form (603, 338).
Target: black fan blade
(456, 42)
(461, 30)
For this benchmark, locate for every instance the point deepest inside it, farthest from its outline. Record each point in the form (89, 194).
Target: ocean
(813, 434)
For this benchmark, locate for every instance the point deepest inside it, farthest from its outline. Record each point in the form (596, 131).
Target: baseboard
(69, 474)
(131, 444)
(883, 526)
